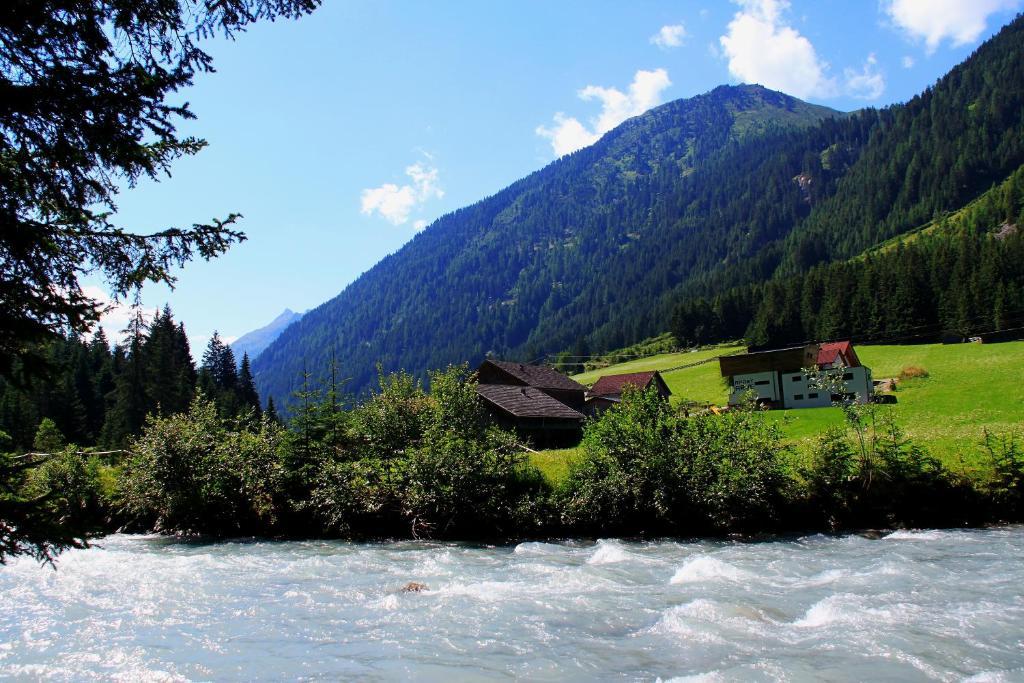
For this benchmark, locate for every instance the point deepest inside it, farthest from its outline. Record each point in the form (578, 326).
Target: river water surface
(929, 605)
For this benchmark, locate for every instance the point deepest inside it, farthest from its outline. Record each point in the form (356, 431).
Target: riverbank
(412, 464)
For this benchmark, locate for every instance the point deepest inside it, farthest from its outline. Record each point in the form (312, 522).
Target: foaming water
(931, 605)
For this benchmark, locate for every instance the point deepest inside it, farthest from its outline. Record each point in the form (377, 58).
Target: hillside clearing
(970, 388)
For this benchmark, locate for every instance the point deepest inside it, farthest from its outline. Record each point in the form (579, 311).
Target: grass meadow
(969, 388)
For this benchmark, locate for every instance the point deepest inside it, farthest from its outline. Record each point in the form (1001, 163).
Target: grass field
(969, 388)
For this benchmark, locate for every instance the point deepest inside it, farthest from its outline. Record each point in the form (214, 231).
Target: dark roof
(833, 351)
(615, 384)
(537, 376)
(526, 401)
(779, 360)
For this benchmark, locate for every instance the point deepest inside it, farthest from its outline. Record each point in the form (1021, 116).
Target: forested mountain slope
(693, 197)
(480, 279)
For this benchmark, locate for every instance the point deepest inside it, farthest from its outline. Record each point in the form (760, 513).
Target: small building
(607, 390)
(538, 402)
(776, 378)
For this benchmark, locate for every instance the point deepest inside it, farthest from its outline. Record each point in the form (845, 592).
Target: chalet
(607, 391)
(538, 402)
(777, 379)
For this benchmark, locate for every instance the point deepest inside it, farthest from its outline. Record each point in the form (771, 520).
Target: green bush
(632, 474)
(427, 465)
(70, 482)
(467, 477)
(735, 475)
(1004, 486)
(871, 475)
(647, 469)
(191, 473)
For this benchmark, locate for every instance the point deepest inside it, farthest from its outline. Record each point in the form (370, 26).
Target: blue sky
(340, 135)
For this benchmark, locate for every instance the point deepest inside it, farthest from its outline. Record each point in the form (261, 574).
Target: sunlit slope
(969, 388)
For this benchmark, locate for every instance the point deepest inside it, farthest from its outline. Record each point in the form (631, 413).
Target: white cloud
(569, 134)
(669, 36)
(116, 315)
(395, 203)
(960, 21)
(762, 48)
(908, 62)
(419, 224)
(866, 84)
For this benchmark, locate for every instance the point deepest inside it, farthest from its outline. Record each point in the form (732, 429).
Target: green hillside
(696, 379)
(969, 388)
(688, 200)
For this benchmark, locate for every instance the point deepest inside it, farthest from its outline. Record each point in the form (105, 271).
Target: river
(914, 605)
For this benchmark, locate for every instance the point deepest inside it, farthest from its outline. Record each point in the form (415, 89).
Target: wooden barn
(539, 403)
(776, 378)
(607, 390)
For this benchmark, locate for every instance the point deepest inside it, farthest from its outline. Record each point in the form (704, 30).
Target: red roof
(615, 384)
(829, 354)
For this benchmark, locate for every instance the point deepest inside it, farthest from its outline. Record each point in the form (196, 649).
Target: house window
(762, 382)
(798, 397)
(848, 375)
(797, 378)
(812, 396)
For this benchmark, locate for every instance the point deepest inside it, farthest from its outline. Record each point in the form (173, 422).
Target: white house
(777, 378)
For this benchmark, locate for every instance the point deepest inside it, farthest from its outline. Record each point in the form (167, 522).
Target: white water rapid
(930, 605)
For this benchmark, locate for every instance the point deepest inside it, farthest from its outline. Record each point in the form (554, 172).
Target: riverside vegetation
(412, 463)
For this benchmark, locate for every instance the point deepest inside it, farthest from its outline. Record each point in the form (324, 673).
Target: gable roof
(537, 376)
(829, 353)
(526, 401)
(616, 384)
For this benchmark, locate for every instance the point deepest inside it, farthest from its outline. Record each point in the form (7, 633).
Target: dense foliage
(84, 109)
(195, 471)
(963, 275)
(407, 463)
(688, 200)
(403, 463)
(648, 467)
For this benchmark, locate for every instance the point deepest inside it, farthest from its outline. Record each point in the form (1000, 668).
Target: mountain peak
(254, 342)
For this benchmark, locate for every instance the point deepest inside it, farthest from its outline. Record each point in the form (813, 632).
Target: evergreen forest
(961, 276)
(98, 394)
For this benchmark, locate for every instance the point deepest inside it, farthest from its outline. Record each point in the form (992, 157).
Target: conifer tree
(248, 397)
(48, 438)
(130, 401)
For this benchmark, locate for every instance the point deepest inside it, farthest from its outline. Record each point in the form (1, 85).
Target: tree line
(98, 394)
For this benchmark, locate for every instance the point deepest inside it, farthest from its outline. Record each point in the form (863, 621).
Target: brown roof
(537, 375)
(780, 360)
(526, 401)
(616, 384)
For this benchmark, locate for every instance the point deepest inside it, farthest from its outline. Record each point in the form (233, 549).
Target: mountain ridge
(255, 341)
(697, 195)
(704, 123)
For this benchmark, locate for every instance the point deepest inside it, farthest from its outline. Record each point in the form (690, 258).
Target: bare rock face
(804, 181)
(414, 587)
(1005, 230)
